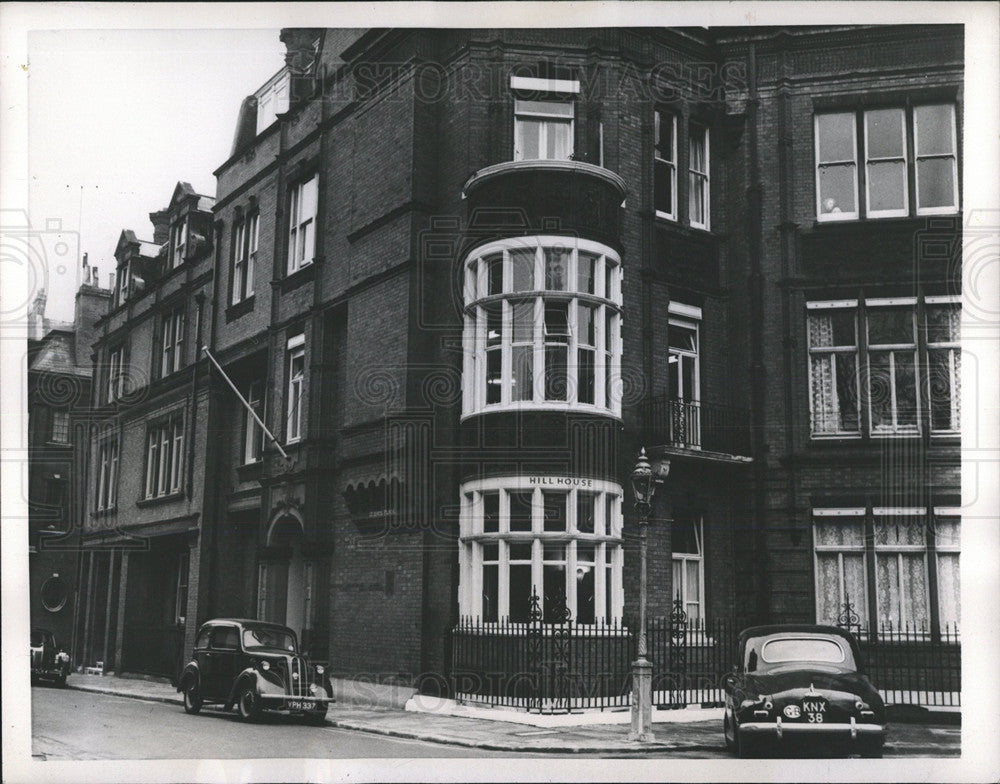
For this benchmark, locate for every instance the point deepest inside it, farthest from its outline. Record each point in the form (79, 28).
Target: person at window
(830, 205)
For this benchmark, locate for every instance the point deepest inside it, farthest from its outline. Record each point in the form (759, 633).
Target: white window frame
(245, 239)
(606, 538)
(698, 176)
(671, 164)
(680, 560)
(107, 478)
(164, 457)
(858, 603)
(302, 223)
(842, 215)
(524, 110)
(296, 382)
(172, 342)
(253, 433)
(178, 242)
(870, 161)
(892, 349)
(917, 157)
(607, 314)
(954, 349)
(947, 549)
(122, 284)
(898, 552)
(116, 373)
(832, 351)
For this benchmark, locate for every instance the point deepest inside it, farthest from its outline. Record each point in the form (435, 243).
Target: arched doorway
(286, 576)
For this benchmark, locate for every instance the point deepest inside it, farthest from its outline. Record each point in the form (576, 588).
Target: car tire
(727, 730)
(248, 704)
(872, 750)
(61, 681)
(315, 718)
(192, 696)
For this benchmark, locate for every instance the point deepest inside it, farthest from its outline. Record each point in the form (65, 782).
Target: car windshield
(802, 649)
(268, 637)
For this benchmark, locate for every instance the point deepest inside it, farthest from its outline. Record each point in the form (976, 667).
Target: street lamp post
(644, 487)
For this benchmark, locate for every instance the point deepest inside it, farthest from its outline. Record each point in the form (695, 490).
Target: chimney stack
(161, 226)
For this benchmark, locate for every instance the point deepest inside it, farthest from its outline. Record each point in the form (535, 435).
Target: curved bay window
(556, 538)
(542, 325)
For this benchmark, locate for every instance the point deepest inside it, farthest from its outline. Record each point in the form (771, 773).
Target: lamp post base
(642, 702)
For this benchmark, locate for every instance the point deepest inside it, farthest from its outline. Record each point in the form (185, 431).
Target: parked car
(49, 660)
(801, 683)
(255, 666)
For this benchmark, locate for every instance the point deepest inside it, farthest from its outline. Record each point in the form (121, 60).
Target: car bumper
(781, 729)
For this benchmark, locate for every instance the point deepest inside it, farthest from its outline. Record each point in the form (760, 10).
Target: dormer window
(178, 242)
(122, 284)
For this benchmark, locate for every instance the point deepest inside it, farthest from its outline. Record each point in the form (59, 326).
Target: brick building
(59, 370)
(461, 276)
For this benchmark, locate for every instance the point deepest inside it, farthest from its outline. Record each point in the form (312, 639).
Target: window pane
(943, 323)
(847, 392)
(854, 585)
(890, 326)
(836, 188)
(523, 263)
(933, 130)
(491, 592)
(692, 571)
(949, 589)
(827, 587)
(559, 141)
(906, 388)
(548, 108)
(887, 186)
(520, 593)
(663, 187)
(554, 505)
(494, 324)
(524, 321)
(697, 153)
(494, 273)
(556, 322)
(556, 268)
(839, 533)
(896, 531)
(585, 376)
(683, 539)
(521, 552)
(585, 553)
(684, 338)
(556, 376)
(491, 552)
(585, 588)
(522, 372)
(915, 587)
(526, 136)
(520, 510)
(585, 503)
(494, 376)
(586, 316)
(880, 389)
(836, 137)
(554, 582)
(940, 381)
(491, 512)
(935, 177)
(888, 600)
(698, 198)
(948, 531)
(664, 131)
(586, 267)
(885, 133)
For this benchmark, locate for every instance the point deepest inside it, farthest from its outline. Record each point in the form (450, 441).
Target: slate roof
(57, 355)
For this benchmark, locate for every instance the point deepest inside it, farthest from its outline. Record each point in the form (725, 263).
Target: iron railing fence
(560, 667)
(693, 424)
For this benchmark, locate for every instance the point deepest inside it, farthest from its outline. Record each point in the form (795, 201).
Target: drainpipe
(758, 380)
(195, 375)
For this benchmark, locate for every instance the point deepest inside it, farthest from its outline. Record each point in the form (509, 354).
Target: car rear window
(790, 649)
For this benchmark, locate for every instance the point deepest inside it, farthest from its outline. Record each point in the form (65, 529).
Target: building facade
(452, 281)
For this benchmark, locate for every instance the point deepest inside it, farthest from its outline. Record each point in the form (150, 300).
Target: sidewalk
(375, 713)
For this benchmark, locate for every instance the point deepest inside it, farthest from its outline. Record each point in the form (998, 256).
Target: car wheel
(727, 733)
(248, 704)
(192, 696)
(61, 681)
(872, 750)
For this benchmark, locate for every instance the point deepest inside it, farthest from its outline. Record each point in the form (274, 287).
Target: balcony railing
(691, 424)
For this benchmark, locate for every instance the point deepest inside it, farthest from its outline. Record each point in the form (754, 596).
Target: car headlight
(319, 669)
(861, 705)
(768, 705)
(265, 665)
(62, 656)
(313, 688)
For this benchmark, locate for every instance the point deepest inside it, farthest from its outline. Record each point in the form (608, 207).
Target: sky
(115, 119)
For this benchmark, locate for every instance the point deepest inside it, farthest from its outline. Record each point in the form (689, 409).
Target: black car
(49, 660)
(801, 683)
(255, 666)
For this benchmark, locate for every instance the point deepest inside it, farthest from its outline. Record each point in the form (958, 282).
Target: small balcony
(545, 196)
(689, 427)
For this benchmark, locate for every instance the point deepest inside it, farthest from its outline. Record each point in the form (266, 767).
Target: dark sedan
(255, 666)
(801, 684)
(49, 661)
